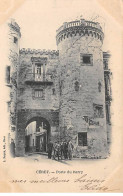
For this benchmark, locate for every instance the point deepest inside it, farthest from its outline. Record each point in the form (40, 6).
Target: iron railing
(38, 77)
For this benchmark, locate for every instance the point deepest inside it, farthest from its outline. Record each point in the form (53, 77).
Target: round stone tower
(12, 70)
(82, 90)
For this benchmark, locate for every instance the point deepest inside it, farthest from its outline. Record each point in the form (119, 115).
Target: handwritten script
(84, 182)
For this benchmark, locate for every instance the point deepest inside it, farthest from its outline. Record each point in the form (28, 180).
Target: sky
(39, 20)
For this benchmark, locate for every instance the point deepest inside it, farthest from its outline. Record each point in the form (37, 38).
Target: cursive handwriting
(84, 178)
(51, 180)
(84, 182)
(90, 187)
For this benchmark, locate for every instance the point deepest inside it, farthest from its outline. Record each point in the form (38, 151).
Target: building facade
(65, 92)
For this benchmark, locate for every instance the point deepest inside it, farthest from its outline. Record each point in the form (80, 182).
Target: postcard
(61, 96)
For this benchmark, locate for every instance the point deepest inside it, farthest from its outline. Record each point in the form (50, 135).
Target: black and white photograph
(61, 95)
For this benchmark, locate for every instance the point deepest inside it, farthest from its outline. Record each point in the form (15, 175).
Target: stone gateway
(61, 95)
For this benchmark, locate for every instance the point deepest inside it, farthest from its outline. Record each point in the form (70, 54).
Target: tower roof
(81, 26)
(12, 24)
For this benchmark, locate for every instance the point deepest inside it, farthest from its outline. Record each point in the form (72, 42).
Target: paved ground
(44, 158)
(85, 164)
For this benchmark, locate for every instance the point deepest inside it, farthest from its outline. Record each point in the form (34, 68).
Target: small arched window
(15, 40)
(99, 86)
(53, 91)
(76, 86)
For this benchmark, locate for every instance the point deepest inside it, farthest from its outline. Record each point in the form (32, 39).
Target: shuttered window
(86, 59)
(39, 93)
(82, 139)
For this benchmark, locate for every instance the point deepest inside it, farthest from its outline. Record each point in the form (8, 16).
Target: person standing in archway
(49, 149)
(65, 150)
(70, 149)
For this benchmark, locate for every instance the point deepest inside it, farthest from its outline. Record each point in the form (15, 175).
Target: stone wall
(25, 91)
(13, 63)
(29, 106)
(74, 104)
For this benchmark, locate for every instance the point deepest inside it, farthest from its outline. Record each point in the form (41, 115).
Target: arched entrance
(27, 116)
(37, 135)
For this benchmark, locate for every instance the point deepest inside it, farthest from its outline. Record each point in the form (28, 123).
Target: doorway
(37, 135)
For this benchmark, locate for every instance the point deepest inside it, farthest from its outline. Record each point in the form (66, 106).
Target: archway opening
(37, 135)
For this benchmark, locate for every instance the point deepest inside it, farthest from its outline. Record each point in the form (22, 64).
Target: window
(76, 86)
(38, 69)
(99, 86)
(86, 59)
(39, 72)
(82, 139)
(8, 74)
(15, 40)
(98, 111)
(53, 91)
(39, 93)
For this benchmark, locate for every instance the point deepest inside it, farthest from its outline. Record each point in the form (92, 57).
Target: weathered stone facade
(68, 88)
(11, 71)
